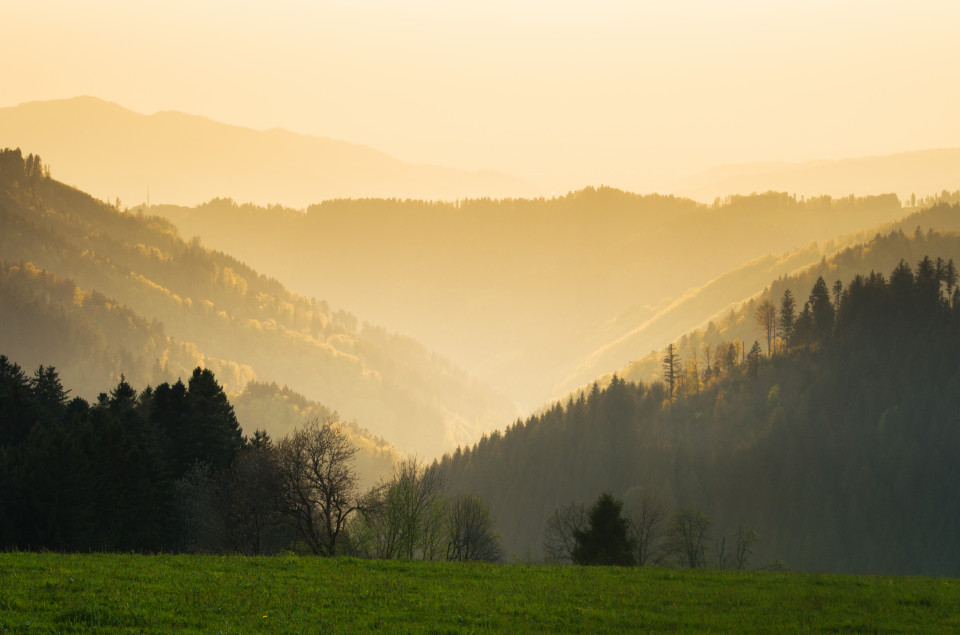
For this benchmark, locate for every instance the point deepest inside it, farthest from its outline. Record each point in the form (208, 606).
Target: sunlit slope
(939, 235)
(923, 173)
(635, 332)
(388, 383)
(93, 341)
(110, 151)
(519, 292)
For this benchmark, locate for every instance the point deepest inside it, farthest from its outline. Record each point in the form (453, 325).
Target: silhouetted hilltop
(112, 152)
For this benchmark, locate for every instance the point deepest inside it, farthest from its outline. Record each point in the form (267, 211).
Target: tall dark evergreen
(788, 315)
(606, 540)
(213, 432)
(821, 310)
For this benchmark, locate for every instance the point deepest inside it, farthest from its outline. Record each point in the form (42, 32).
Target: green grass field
(68, 593)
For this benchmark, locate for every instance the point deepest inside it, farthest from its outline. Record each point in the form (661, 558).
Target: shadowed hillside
(219, 309)
(839, 449)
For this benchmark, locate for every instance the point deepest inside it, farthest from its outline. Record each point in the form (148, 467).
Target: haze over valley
(655, 284)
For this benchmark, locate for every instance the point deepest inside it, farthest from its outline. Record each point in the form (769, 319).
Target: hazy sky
(563, 93)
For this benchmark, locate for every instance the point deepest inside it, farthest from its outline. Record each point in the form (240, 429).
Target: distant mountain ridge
(110, 151)
(921, 172)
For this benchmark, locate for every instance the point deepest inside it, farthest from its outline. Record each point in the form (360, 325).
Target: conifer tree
(606, 540)
(787, 316)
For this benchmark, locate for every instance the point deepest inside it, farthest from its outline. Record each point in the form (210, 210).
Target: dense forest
(76, 476)
(839, 447)
(168, 470)
(123, 293)
(538, 283)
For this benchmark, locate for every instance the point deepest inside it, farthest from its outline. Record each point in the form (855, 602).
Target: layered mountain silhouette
(98, 292)
(521, 292)
(921, 173)
(113, 152)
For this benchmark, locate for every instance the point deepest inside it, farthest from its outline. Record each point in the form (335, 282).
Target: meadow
(51, 592)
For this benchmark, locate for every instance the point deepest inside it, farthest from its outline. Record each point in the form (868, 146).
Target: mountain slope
(881, 253)
(388, 383)
(840, 452)
(533, 283)
(633, 334)
(111, 152)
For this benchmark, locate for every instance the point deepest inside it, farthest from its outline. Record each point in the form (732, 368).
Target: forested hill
(536, 283)
(841, 449)
(882, 252)
(91, 289)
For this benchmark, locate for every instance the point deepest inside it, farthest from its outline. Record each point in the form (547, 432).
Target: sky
(565, 94)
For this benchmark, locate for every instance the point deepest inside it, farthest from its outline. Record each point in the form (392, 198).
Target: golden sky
(628, 93)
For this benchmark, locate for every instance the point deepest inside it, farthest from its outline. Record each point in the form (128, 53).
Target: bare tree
(407, 520)
(723, 556)
(319, 484)
(766, 317)
(558, 535)
(435, 526)
(687, 536)
(472, 534)
(746, 539)
(645, 525)
(671, 373)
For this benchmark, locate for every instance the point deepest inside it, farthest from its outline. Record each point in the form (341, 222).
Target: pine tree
(787, 316)
(821, 310)
(606, 540)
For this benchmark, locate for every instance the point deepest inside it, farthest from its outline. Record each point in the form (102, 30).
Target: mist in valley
(510, 264)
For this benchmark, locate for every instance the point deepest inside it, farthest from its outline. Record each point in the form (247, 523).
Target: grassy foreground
(63, 593)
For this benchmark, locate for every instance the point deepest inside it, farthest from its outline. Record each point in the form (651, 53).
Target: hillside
(881, 252)
(919, 173)
(103, 148)
(136, 272)
(535, 283)
(840, 449)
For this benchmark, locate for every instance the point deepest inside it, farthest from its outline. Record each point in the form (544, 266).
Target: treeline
(606, 534)
(168, 469)
(839, 449)
(78, 476)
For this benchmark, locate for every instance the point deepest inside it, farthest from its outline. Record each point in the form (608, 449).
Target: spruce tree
(606, 540)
